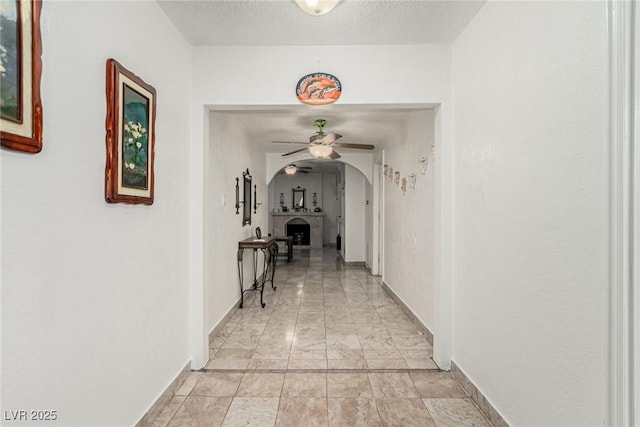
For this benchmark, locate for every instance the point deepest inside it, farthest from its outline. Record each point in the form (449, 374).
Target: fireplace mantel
(300, 214)
(315, 220)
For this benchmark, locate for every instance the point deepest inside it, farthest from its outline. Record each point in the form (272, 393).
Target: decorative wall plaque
(318, 89)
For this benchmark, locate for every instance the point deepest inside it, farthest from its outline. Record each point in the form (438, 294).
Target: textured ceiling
(281, 22)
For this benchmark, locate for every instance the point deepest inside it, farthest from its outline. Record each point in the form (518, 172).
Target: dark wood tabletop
(254, 243)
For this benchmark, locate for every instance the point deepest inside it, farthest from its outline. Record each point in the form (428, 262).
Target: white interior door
(375, 238)
(635, 222)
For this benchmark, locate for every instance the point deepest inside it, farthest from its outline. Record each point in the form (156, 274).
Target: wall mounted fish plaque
(318, 89)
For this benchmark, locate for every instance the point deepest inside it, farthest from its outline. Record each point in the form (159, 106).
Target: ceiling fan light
(320, 151)
(317, 7)
(290, 169)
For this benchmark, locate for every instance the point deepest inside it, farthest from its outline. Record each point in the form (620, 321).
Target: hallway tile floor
(331, 348)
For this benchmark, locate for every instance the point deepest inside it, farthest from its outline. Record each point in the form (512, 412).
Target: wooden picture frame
(21, 65)
(130, 137)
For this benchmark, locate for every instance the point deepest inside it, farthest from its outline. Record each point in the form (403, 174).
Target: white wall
(531, 210)
(244, 69)
(222, 226)
(354, 215)
(330, 207)
(410, 218)
(311, 182)
(94, 302)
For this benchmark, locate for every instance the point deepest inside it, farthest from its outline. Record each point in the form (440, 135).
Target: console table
(288, 241)
(269, 249)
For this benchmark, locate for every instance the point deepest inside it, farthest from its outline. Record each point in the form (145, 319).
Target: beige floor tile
(344, 354)
(258, 384)
(305, 385)
(271, 353)
(339, 341)
(168, 411)
(303, 343)
(237, 341)
(188, 384)
(252, 411)
(437, 384)
(218, 384)
(279, 364)
(376, 341)
(347, 364)
(370, 353)
(228, 363)
(308, 412)
(455, 413)
(348, 385)
(404, 412)
(234, 354)
(217, 341)
(308, 354)
(349, 412)
(418, 353)
(276, 340)
(250, 328)
(307, 364)
(201, 411)
(392, 385)
(421, 364)
(411, 341)
(387, 364)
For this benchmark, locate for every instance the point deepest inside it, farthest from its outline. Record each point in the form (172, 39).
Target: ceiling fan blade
(334, 155)
(294, 152)
(358, 146)
(304, 167)
(289, 142)
(301, 171)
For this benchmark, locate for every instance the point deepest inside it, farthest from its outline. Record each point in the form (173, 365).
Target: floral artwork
(130, 137)
(10, 101)
(20, 74)
(134, 173)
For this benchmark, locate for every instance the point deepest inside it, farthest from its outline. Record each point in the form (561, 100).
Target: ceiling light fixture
(320, 151)
(290, 169)
(317, 7)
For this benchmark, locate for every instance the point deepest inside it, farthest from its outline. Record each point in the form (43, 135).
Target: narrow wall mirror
(246, 206)
(297, 198)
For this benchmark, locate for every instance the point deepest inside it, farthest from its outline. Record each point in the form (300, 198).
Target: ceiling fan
(322, 144)
(291, 169)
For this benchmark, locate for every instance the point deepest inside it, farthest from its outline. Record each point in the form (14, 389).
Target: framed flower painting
(20, 74)
(130, 137)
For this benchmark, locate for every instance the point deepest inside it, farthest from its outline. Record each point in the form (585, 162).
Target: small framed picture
(130, 137)
(258, 233)
(21, 70)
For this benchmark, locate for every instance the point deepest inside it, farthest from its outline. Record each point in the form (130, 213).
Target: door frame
(624, 236)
